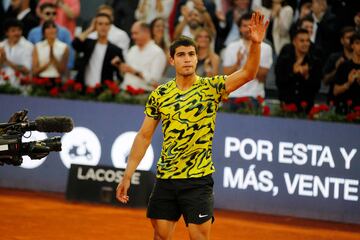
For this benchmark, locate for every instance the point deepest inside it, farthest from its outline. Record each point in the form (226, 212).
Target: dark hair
(246, 16)
(182, 41)
(346, 30)
(162, 43)
(300, 31)
(12, 22)
(104, 15)
(354, 37)
(47, 5)
(305, 19)
(47, 24)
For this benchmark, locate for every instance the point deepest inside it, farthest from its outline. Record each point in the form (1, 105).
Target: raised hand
(258, 27)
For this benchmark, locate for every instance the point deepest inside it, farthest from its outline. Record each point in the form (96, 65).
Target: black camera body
(11, 146)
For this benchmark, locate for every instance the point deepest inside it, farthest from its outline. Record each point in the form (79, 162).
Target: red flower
(357, 108)
(54, 92)
(266, 111)
(260, 99)
(349, 102)
(324, 108)
(304, 104)
(25, 80)
(58, 80)
(17, 74)
(134, 91)
(78, 87)
(70, 82)
(98, 85)
(242, 100)
(6, 77)
(291, 107)
(90, 90)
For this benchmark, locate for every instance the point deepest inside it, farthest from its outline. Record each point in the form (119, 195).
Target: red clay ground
(32, 215)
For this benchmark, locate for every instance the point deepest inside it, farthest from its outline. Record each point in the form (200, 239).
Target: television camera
(12, 148)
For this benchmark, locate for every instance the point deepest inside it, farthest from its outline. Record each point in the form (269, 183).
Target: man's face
(14, 34)
(48, 13)
(356, 48)
(185, 60)
(345, 40)
(139, 35)
(16, 4)
(244, 29)
(194, 19)
(302, 42)
(102, 26)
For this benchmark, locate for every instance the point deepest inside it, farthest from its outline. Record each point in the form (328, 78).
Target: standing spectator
(306, 23)
(347, 80)
(194, 16)
(282, 15)
(20, 9)
(336, 59)
(67, 11)
(298, 72)
(48, 12)
(145, 61)
(235, 57)
(148, 10)
(357, 22)
(325, 35)
(15, 52)
(228, 29)
(208, 60)
(116, 36)
(124, 13)
(96, 64)
(158, 34)
(50, 55)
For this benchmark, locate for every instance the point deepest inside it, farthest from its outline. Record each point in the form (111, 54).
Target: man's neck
(13, 42)
(142, 45)
(299, 54)
(102, 40)
(185, 82)
(356, 58)
(348, 53)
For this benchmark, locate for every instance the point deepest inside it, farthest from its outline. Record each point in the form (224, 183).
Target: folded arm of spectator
(25, 69)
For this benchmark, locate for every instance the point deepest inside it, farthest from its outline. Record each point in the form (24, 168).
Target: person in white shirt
(235, 56)
(50, 56)
(15, 52)
(116, 36)
(145, 61)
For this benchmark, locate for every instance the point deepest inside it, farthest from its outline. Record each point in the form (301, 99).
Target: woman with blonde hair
(208, 60)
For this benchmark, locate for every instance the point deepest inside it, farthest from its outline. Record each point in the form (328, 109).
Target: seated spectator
(347, 80)
(148, 10)
(208, 60)
(235, 56)
(15, 52)
(336, 59)
(145, 61)
(326, 28)
(298, 73)
(228, 29)
(194, 18)
(116, 36)
(67, 11)
(96, 64)
(21, 10)
(50, 55)
(48, 12)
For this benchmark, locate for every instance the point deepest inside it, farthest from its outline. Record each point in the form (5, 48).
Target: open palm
(258, 27)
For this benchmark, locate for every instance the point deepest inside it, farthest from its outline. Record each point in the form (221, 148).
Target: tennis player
(186, 107)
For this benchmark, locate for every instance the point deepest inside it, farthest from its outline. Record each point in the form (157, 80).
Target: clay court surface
(37, 215)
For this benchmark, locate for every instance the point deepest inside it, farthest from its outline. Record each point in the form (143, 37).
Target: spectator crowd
(310, 45)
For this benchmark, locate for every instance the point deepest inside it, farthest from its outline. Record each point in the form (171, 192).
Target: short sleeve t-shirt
(188, 125)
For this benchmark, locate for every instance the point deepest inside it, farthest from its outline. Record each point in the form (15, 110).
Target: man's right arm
(138, 150)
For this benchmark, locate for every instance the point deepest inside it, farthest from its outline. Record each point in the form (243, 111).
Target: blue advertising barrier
(266, 165)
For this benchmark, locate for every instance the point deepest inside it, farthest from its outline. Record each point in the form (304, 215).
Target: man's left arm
(249, 71)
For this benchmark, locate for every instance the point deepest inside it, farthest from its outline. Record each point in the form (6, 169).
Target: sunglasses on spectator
(50, 13)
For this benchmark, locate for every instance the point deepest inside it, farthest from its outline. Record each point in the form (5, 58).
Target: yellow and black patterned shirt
(188, 125)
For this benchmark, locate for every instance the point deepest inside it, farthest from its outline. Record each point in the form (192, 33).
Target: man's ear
(171, 61)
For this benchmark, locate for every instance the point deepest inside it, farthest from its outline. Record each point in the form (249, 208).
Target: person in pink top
(67, 12)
